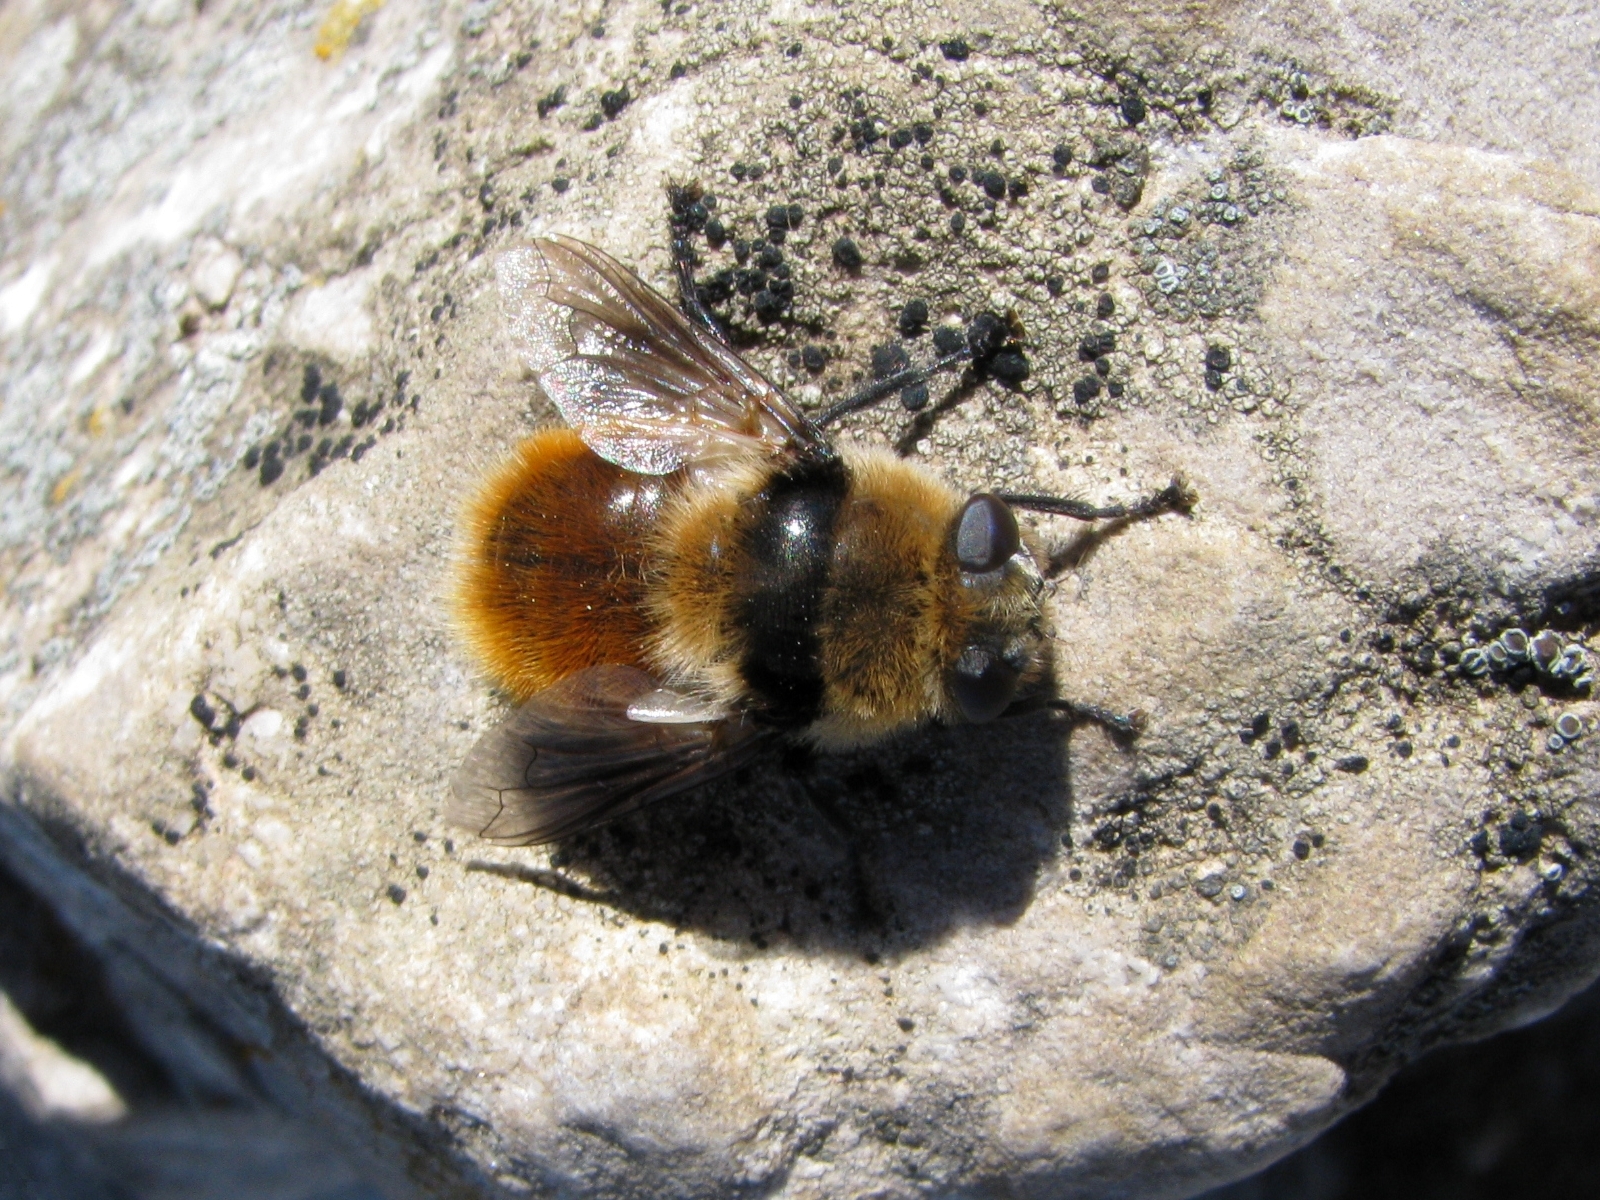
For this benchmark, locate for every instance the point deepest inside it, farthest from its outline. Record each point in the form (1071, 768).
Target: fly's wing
(643, 385)
(598, 744)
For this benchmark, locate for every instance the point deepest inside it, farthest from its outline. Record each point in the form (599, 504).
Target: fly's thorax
(826, 598)
(893, 611)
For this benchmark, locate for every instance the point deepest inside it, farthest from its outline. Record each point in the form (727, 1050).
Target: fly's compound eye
(984, 684)
(987, 534)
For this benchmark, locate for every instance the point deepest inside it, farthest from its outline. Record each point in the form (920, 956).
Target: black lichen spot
(889, 360)
(1100, 272)
(320, 456)
(310, 383)
(1061, 157)
(947, 339)
(1086, 389)
(992, 182)
(1301, 849)
(560, 183)
(553, 100)
(847, 254)
(1017, 188)
(1115, 387)
(716, 233)
(906, 1024)
(914, 398)
(1133, 108)
(340, 679)
(813, 359)
(331, 404)
(271, 464)
(985, 336)
(689, 208)
(1009, 366)
(958, 222)
(718, 288)
(956, 49)
(396, 894)
(1055, 285)
(200, 709)
(677, 71)
(913, 318)
(1521, 836)
(958, 174)
(1352, 764)
(1104, 306)
(770, 303)
(613, 102)
(1094, 346)
(782, 217)
(900, 139)
(923, 132)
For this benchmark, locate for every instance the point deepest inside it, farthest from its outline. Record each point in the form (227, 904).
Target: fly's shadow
(869, 853)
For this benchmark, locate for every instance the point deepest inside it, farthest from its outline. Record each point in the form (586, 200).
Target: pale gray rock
(254, 364)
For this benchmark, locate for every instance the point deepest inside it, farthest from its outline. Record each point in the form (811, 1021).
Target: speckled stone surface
(253, 363)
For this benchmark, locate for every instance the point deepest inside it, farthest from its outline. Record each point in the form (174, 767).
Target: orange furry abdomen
(556, 549)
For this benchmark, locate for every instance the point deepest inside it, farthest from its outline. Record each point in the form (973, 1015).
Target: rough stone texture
(253, 363)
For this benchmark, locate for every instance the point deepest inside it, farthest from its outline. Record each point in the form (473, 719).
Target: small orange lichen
(340, 25)
(63, 486)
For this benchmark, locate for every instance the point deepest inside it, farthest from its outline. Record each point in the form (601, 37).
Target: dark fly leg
(685, 200)
(1177, 496)
(881, 389)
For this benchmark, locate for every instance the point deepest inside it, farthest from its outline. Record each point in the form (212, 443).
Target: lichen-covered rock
(254, 364)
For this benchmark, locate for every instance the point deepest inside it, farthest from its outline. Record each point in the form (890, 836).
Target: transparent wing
(572, 757)
(643, 385)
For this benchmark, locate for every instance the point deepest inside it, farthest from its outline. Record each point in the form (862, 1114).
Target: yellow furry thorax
(894, 615)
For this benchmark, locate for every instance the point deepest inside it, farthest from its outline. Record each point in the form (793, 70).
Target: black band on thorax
(788, 543)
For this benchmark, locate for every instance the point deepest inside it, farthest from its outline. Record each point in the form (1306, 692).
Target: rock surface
(253, 364)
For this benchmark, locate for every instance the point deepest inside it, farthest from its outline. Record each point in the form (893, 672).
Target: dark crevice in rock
(227, 1092)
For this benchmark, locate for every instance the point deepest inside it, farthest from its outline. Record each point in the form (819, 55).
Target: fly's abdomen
(557, 547)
